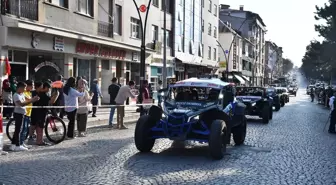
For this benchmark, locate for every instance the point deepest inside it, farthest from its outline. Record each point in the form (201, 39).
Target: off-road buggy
(257, 102)
(292, 89)
(284, 92)
(271, 92)
(193, 109)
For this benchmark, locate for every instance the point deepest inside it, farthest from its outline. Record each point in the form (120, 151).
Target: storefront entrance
(44, 66)
(19, 71)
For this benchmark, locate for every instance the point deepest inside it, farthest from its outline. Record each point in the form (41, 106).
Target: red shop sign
(97, 50)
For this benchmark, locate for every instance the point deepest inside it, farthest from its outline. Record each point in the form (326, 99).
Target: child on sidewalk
(20, 102)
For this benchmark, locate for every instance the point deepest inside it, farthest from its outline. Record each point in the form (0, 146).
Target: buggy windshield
(250, 91)
(193, 94)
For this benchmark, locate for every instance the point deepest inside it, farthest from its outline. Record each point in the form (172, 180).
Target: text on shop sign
(93, 49)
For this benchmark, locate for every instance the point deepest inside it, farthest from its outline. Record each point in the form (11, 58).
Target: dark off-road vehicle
(193, 109)
(272, 92)
(257, 102)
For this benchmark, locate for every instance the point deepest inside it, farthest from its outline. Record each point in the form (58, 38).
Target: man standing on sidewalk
(96, 95)
(113, 92)
(123, 94)
(332, 104)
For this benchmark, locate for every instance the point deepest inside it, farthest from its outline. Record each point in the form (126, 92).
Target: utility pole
(164, 72)
(143, 25)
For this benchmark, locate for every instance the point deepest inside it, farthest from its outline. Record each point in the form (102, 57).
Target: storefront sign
(179, 67)
(46, 63)
(134, 56)
(35, 40)
(234, 58)
(222, 64)
(101, 51)
(59, 43)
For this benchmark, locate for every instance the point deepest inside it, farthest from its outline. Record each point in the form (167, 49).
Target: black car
(257, 102)
(272, 92)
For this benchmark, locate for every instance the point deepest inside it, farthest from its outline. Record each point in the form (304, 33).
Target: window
(215, 54)
(210, 5)
(215, 10)
(156, 3)
(215, 31)
(117, 19)
(135, 28)
(209, 53)
(85, 7)
(209, 29)
(168, 36)
(202, 25)
(167, 5)
(62, 3)
(155, 33)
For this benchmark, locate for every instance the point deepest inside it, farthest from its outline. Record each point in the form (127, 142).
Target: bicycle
(49, 128)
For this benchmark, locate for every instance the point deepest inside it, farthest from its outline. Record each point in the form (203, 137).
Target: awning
(245, 78)
(241, 80)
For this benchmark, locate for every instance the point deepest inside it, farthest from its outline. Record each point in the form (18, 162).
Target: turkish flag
(7, 67)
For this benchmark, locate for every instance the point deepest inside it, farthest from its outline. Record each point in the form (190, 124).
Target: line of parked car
(207, 110)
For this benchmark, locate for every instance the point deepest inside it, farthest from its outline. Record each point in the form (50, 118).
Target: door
(106, 80)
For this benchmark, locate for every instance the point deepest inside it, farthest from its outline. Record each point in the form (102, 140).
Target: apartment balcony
(21, 8)
(105, 29)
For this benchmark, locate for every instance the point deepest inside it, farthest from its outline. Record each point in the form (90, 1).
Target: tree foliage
(287, 65)
(318, 61)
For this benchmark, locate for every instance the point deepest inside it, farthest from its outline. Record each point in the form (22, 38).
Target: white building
(252, 27)
(92, 38)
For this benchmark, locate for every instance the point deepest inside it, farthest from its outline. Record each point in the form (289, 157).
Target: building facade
(96, 39)
(191, 37)
(274, 62)
(253, 28)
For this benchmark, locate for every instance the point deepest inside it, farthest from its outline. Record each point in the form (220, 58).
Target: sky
(289, 23)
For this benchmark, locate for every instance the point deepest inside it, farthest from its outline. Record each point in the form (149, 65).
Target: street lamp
(143, 24)
(233, 40)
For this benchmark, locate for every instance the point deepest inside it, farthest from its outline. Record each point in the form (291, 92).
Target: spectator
(77, 80)
(34, 114)
(7, 98)
(159, 87)
(82, 112)
(19, 112)
(39, 114)
(123, 94)
(71, 103)
(96, 94)
(26, 122)
(13, 82)
(332, 105)
(113, 92)
(58, 86)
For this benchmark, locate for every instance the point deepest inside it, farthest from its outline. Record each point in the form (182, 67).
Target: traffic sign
(143, 8)
(226, 51)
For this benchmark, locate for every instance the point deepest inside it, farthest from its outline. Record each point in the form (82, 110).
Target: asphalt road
(291, 149)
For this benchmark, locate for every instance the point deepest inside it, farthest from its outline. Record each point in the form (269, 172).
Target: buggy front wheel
(55, 129)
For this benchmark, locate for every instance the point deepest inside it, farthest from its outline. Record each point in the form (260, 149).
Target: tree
(327, 14)
(287, 65)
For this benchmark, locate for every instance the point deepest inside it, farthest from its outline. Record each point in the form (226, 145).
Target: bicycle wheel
(55, 129)
(10, 128)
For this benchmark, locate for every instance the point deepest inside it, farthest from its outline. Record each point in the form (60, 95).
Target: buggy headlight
(196, 117)
(162, 94)
(254, 104)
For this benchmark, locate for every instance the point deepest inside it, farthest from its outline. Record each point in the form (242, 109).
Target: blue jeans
(24, 131)
(111, 115)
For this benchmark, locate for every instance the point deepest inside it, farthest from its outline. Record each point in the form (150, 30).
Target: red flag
(7, 67)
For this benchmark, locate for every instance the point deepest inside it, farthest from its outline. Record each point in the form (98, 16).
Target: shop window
(20, 56)
(105, 64)
(85, 7)
(10, 55)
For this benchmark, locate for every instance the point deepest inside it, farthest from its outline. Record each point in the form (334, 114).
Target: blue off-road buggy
(193, 109)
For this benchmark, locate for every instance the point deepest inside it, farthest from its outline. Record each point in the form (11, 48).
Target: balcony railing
(105, 29)
(21, 8)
